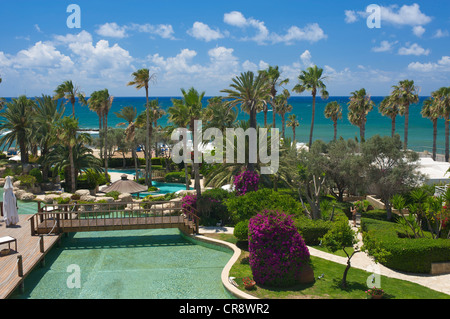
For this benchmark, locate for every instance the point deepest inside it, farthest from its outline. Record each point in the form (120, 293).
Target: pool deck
(28, 247)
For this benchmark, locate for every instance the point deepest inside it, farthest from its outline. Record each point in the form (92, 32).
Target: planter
(377, 296)
(249, 284)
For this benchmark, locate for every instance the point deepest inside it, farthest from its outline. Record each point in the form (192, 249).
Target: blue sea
(420, 135)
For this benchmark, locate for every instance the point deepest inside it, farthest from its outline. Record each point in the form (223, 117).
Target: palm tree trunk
(312, 118)
(148, 152)
(283, 123)
(434, 138)
(405, 146)
(105, 126)
(23, 152)
(195, 165)
(273, 115)
(293, 131)
(72, 170)
(251, 166)
(265, 116)
(362, 131)
(335, 129)
(393, 126)
(73, 108)
(446, 137)
(135, 163)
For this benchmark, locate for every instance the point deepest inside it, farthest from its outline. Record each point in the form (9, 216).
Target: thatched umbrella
(124, 185)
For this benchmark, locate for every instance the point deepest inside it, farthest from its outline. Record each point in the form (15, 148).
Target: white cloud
(111, 30)
(418, 30)
(247, 66)
(350, 16)
(41, 55)
(202, 31)
(384, 46)
(405, 15)
(305, 57)
(440, 34)
(235, 18)
(311, 32)
(165, 31)
(413, 49)
(442, 65)
(82, 37)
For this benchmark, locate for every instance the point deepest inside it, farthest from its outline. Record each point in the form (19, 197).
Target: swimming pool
(154, 263)
(164, 188)
(30, 207)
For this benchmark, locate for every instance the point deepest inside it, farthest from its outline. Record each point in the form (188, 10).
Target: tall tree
(431, 110)
(272, 75)
(405, 93)
(333, 111)
(359, 106)
(17, 121)
(443, 96)
(128, 114)
(193, 100)
(47, 113)
(389, 107)
(312, 80)
(179, 117)
(70, 92)
(250, 92)
(292, 122)
(281, 106)
(141, 79)
(66, 130)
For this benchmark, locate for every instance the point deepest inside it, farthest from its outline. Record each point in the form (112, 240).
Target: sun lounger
(8, 240)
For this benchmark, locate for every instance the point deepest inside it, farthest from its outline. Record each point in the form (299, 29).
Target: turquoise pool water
(164, 188)
(156, 264)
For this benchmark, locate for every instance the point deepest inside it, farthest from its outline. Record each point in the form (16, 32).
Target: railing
(93, 216)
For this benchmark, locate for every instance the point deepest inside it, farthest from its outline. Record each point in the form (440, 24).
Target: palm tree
(17, 120)
(312, 80)
(405, 93)
(101, 102)
(179, 117)
(282, 107)
(442, 95)
(70, 92)
(66, 131)
(193, 100)
(292, 122)
(218, 115)
(272, 75)
(390, 108)
(333, 111)
(141, 79)
(431, 110)
(47, 112)
(250, 92)
(359, 106)
(129, 113)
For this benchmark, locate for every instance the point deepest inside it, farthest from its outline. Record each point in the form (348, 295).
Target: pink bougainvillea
(245, 182)
(277, 250)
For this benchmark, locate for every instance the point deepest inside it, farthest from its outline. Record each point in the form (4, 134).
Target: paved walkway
(362, 261)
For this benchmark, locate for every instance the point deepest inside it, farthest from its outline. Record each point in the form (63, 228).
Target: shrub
(381, 240)
(27, 180)
(36, 172)
(113, 194)
(277, 250)
(312, 230)
(245, 182)
(241, 230)
(175, 177)
(246, 206)
(8, 172)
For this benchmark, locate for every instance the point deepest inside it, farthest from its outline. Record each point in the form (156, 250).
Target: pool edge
(234, 291)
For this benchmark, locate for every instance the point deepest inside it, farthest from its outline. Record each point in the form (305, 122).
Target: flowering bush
(245, 182)
(277, 251)
(189, 203)
(375, 291)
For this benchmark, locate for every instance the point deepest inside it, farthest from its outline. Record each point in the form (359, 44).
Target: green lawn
(328, 287)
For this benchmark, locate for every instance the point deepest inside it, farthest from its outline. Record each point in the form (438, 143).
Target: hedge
(312, 230)
(404, 254)
(175, 177)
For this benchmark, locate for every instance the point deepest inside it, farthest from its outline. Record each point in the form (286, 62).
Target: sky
(204, 44)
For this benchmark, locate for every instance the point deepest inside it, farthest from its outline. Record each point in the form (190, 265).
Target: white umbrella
(9, 203)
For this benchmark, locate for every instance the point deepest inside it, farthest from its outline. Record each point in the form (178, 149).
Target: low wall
(440, 268)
